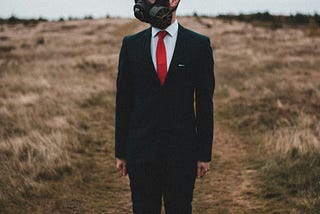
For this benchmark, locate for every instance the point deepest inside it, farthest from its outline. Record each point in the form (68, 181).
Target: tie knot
(162, 34)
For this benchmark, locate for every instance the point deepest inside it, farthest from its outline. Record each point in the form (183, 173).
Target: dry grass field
(57, 97)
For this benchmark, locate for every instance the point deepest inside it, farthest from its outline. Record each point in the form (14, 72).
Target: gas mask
(156, 12)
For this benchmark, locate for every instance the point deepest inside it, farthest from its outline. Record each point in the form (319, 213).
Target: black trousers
(149, 182)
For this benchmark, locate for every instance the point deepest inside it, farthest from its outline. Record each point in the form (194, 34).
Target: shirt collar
(171, 30)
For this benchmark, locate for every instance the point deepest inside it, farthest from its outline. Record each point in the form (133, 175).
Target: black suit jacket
(155, 122)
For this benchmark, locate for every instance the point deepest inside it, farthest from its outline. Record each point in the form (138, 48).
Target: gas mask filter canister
(156, 12)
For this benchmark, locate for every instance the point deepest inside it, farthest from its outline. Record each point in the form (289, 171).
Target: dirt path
(229, 188)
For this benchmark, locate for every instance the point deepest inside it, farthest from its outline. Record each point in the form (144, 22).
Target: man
(160, 140)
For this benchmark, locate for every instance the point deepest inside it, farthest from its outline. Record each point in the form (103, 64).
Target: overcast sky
(54, 9)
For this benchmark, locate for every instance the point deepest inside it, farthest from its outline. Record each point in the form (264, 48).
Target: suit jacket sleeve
(123, 103)
(204, 102)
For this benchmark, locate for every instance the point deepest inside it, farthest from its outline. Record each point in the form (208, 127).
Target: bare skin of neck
(174, 3)
(174, 17)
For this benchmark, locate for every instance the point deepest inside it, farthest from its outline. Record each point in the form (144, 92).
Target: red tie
(161, 57)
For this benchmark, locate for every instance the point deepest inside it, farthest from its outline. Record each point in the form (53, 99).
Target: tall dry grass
(51, 76)
(301, 138)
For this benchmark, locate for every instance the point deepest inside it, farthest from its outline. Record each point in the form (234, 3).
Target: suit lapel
(176, 58)
(146, 42)
(178, 54)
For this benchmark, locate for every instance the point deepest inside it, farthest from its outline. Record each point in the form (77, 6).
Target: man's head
(159, 13)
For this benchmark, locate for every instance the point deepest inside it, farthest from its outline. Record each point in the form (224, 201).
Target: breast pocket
(184, 76)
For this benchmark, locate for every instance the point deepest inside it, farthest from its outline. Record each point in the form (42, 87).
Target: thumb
(199, 172)
(119, 165)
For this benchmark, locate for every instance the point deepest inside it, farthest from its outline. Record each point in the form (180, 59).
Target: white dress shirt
(169, 41)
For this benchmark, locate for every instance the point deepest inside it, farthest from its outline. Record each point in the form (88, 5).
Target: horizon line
(181, 15)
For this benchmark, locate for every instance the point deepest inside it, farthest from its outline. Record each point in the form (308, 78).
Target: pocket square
(180, 65)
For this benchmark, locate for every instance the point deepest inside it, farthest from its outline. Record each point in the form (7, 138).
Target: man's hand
(203, 168)
(121, 166)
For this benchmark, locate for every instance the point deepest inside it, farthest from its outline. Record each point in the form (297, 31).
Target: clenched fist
(203, 168)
